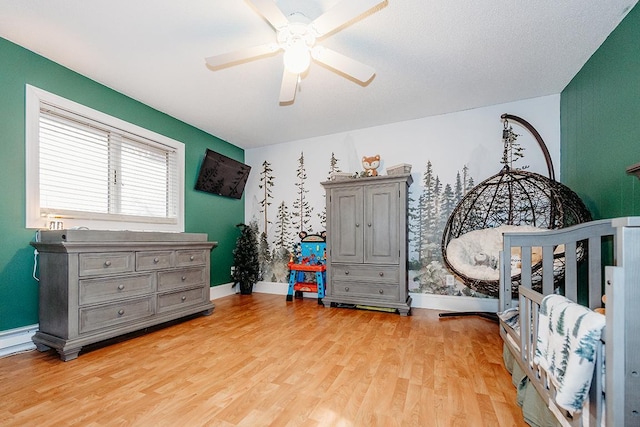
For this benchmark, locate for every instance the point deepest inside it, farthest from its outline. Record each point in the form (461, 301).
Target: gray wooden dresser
(367, 242)
(96, 285)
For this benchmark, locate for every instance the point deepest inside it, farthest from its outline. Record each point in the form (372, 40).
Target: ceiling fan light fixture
(297, 57)
(296, 35)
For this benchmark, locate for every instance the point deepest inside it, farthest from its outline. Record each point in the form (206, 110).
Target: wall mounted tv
(222, 175)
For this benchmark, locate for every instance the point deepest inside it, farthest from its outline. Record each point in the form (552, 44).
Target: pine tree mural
(264, 256)
(333, 167)
(266, 182)
(458, 189)
(282, 245)
(282, 225)
(513, 151)
(428, 217)
(413, 225)
(448, 204)
(470, 185)
(301, 208)
(429, 208)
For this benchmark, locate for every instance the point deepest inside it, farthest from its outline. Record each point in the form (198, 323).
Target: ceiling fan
(296, 35)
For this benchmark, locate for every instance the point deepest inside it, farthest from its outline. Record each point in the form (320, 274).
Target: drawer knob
(357, 224)
(120, 312)
(107, 263)
(369, 225)
(156, 260)
(184, 278)
(381, 274)
(346, 272)
(191, 258)
(381, 291)
(120, 287)
(346, 288)
(184, 298)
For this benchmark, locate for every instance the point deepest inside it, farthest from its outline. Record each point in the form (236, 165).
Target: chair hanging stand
(512, 197)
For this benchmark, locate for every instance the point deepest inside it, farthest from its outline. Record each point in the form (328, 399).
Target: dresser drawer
(365, 272)
(180, 299)
(372, 291)
(182, 278)
(190, 257)
(91, 264)
(105, 289)
(153, 260)
(108, 315)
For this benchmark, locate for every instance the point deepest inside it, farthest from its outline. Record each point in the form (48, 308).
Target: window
(85, 168)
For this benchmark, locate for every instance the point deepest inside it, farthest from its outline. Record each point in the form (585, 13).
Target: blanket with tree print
(568, 336)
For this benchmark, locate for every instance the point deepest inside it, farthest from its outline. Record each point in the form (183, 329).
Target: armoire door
(346, 225)
(381, 228)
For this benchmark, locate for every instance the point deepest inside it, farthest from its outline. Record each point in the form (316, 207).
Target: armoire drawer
(181, 278)
(372, 291)
(110, 288)
(108, 315)
(92, 264)
(153, 260)
(365, 272)
(183, 298)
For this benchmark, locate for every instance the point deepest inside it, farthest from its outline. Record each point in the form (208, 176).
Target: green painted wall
(600, 124)
(205, 213)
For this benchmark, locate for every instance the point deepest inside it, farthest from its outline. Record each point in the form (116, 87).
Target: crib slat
(571, 270)
(525, 268)
(595, 272)
(547, 270)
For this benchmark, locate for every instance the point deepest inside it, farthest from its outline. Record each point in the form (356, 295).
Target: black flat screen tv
(222, 175)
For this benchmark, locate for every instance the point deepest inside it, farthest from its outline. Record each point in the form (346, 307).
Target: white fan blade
(343, 64)
(231, 58)
(288, 88)
(271, 12)
(342, 13)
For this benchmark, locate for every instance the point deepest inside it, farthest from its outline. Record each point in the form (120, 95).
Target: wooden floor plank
(259, 360)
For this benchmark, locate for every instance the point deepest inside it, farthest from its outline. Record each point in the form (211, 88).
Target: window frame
(34, 98)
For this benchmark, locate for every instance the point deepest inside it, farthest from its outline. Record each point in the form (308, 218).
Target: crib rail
(583, 239)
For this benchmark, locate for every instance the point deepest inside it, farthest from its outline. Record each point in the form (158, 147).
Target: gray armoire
(367, 242)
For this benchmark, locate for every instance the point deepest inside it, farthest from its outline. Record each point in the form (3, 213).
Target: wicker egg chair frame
(514, 197)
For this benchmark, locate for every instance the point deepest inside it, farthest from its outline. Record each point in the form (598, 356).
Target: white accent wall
(471, 138)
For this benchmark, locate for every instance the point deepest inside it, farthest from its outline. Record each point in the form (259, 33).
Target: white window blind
(91, 170)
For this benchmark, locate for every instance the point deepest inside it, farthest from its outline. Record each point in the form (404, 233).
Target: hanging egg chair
(511, 200)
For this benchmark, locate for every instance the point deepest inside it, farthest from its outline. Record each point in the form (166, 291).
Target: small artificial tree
(246, 263)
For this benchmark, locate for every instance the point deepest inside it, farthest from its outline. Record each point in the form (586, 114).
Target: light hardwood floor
(259, 361)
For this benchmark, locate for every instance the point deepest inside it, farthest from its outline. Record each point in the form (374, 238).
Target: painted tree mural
(264, 256)
(302, 210)
(266, 182)
(428, 216)
(431, 202)
(282, 246)
(333, 167)
(283, 224)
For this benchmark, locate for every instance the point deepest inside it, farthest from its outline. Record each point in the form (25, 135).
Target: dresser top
(71, 236)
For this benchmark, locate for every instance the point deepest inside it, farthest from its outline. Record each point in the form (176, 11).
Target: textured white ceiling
(431, 57)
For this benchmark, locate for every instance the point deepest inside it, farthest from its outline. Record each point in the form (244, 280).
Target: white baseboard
(453, 303)
(419, 300)
(17, 340)
(220, 291)
(275, 288)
